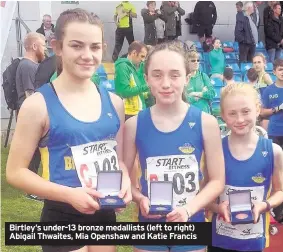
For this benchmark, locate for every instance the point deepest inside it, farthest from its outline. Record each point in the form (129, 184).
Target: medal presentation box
(240, 203)
(161, 198)
(109, 184)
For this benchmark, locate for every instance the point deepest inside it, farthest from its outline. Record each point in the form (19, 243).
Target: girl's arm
(130, 153)
(126, 183)
(31, 126)
(214, 185)
(267, 79)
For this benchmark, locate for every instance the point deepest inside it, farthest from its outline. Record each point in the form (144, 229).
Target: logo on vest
(187, 148)
(258, 178)
(264, 153)
(192, 124)
(110, 115)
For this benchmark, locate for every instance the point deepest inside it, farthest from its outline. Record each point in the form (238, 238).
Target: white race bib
(241, 231)
(182, 170)
(93, 157)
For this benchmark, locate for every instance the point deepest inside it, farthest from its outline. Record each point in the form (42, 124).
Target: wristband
(274, 110)
(268, 206)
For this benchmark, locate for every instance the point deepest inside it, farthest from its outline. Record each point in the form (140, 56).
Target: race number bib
(182, 170)
(94, 157)
(241, 231)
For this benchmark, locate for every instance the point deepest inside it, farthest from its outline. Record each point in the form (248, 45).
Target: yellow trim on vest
(267, 220)
(44, 152)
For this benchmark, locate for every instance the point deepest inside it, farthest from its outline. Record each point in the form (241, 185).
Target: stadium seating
(230, 58)
(245, 67)
(216, 82)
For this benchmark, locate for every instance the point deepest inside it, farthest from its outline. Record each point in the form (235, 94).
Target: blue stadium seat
(245, 67)
(215, 107)
(228, 44)
(216, 82)
(236, 46)
(235, 67)
(217, 92)
(269, 67)
(238, 77)
(260, 45)
(205, 56)
(207, 67)
(230, 58)
(273, 77)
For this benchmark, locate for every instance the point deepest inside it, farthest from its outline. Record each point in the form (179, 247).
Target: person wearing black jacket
(268, 13)
(47, 30)
(246, 33)
(150, 15)
(274, 34)
(205, 16)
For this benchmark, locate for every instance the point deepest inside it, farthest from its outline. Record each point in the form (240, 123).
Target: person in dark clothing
(47, 30)
(239, 6)
(44, 71)
(256, 15)
(205, 16)
(172, 14)
(268, 13)
(124, 13)
(246, 33)
(150, 15)
(274, 34)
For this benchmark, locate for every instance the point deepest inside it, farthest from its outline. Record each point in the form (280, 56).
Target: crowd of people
(161, 109)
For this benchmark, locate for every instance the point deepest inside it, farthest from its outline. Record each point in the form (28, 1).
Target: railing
(20, 22)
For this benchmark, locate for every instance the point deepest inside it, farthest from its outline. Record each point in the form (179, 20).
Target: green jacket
(217, 61)
(94, 78)
(129, 86)
(149, 98)
(197, 83)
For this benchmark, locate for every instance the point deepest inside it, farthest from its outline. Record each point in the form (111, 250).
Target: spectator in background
(255, 15)
(34, 44)
(172, 13)
(216, 59)
(274, 34)
(124, 13)
(239, 6)
(228, 76)
(268, 13)
(205, 16)
(246, 33)
(199, 91)
(47, 30)
(150, 16)
(252, 76)
(127, 82)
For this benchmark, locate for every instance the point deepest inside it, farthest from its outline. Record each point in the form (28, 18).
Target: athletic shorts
(128, 117)
(215, 249)
(56, 211)
(170, 248)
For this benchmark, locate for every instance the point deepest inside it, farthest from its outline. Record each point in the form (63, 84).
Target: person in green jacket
(95, 78)
(128, 83)
(216, 59)
(199, 91)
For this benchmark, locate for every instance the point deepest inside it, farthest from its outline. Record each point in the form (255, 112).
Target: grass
(16, 208)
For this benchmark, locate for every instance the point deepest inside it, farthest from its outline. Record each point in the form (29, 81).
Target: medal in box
(109, 184)
(161, 197)
(240, 203)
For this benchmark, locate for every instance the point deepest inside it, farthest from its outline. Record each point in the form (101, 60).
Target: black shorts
(57, 211)
(215, 249)
(128, 117)
(204, 30)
